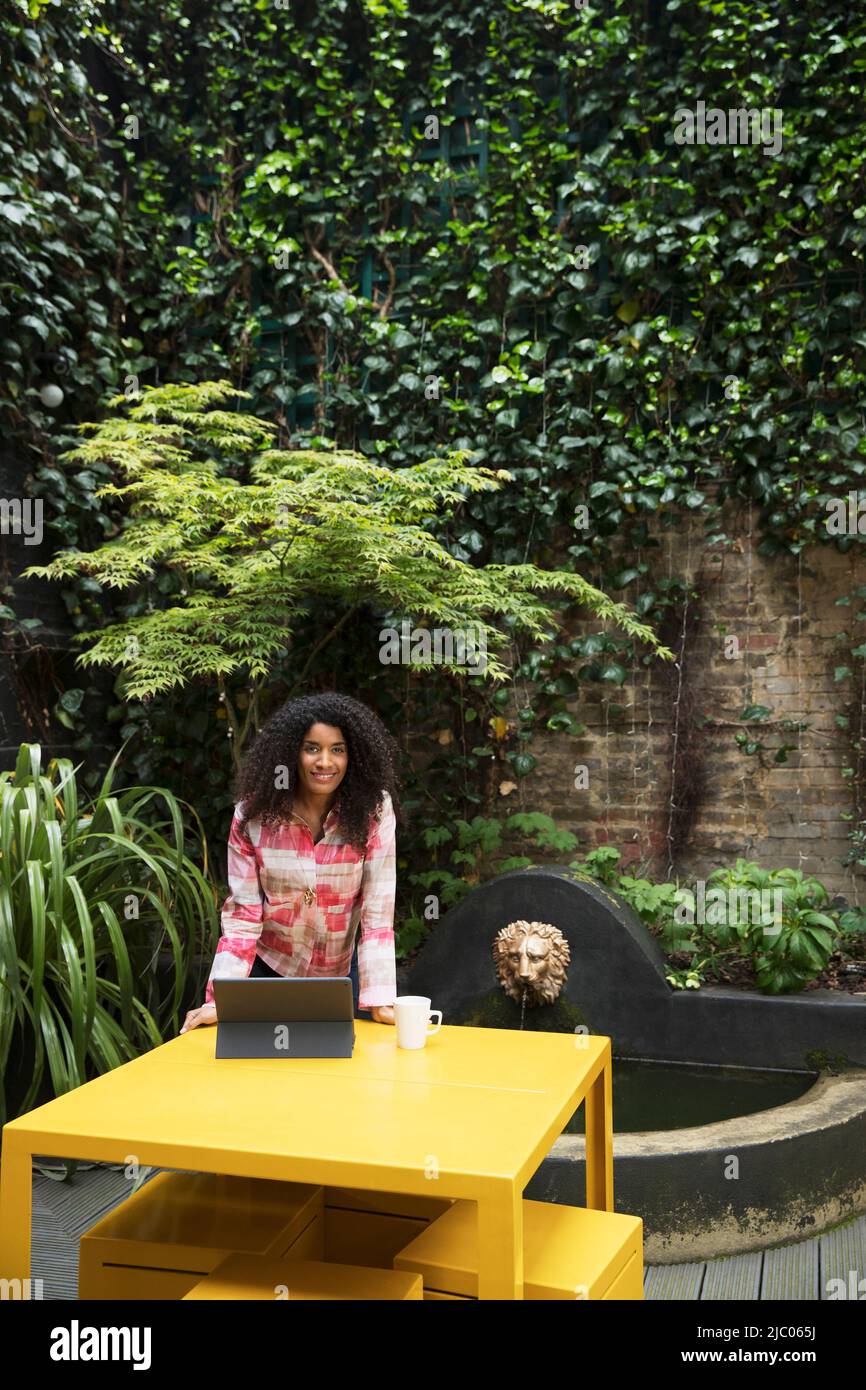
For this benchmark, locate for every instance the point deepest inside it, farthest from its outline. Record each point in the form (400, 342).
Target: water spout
(522, 1007)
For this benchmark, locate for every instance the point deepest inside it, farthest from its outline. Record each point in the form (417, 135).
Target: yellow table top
(475, 1101)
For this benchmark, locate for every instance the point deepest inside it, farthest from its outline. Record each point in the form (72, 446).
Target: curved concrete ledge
(743, 1184)
(719, 1189)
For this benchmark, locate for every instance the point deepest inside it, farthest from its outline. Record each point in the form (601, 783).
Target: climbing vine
(403, 229)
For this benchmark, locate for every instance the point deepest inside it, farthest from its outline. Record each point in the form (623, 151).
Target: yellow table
(472, 1115)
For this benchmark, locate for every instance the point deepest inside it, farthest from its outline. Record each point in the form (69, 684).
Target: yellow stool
(370, 1228)
(568, 1252)
(249, 1277)
(178, 1227)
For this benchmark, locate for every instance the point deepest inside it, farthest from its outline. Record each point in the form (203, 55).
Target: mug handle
(432, 1031)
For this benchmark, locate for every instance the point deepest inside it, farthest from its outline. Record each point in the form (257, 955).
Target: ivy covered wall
(403, 227)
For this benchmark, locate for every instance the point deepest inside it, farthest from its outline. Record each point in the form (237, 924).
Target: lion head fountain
(532, 960)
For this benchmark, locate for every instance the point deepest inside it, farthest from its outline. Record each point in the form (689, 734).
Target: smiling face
(323, 760)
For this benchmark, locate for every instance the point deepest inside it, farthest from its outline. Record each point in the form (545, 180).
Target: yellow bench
(370, 1228)
(242, 1277)
(178, 1227)
(569, 1252)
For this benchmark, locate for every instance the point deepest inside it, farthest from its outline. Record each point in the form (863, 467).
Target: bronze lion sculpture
(532, 959)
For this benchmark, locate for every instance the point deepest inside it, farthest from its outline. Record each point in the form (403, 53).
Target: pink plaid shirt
(298, 905)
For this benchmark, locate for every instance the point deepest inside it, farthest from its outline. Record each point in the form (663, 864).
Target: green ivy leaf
(756, 713)
(523, 764)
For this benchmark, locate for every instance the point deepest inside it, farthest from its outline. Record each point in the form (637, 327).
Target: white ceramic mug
(412, 1014)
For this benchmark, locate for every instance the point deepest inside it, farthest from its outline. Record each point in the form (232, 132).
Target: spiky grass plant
(89, 899)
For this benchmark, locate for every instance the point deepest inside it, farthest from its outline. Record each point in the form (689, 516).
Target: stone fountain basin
(801, 1165)
(801, 1168)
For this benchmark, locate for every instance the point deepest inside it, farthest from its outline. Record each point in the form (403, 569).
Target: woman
(311, 854)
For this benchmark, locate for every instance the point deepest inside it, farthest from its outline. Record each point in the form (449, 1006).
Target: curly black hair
(370, 771)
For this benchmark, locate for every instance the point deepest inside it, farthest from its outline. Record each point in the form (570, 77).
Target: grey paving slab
(62, 1212)
(83, 1198)
(843, 1257)
(54, 1261)
(738, 1277)
(674, 1281)
(57, 1279)
(791, 1272)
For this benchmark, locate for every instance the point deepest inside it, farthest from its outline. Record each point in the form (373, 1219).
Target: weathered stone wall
(783, 615)
(781, 611)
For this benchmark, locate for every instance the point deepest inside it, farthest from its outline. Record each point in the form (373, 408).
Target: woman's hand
(383, 1013)
(200, 1018)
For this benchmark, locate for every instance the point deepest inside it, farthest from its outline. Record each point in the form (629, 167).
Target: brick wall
(782, 613)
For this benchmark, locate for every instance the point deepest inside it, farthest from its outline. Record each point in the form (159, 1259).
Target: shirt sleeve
(241, 914)
(377, 969)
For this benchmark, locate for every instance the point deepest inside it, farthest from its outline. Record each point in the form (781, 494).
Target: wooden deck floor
(62, 1211)
(800, 1272)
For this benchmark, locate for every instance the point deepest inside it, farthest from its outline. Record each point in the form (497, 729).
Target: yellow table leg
(16, 1195)
(500, 1243)
(599, 1141)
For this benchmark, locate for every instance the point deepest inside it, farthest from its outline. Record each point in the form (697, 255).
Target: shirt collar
(328, 823)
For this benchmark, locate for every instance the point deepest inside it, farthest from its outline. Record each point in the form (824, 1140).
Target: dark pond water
(662, 1095)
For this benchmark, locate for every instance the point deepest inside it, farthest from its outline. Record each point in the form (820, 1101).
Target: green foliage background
(280, 219)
